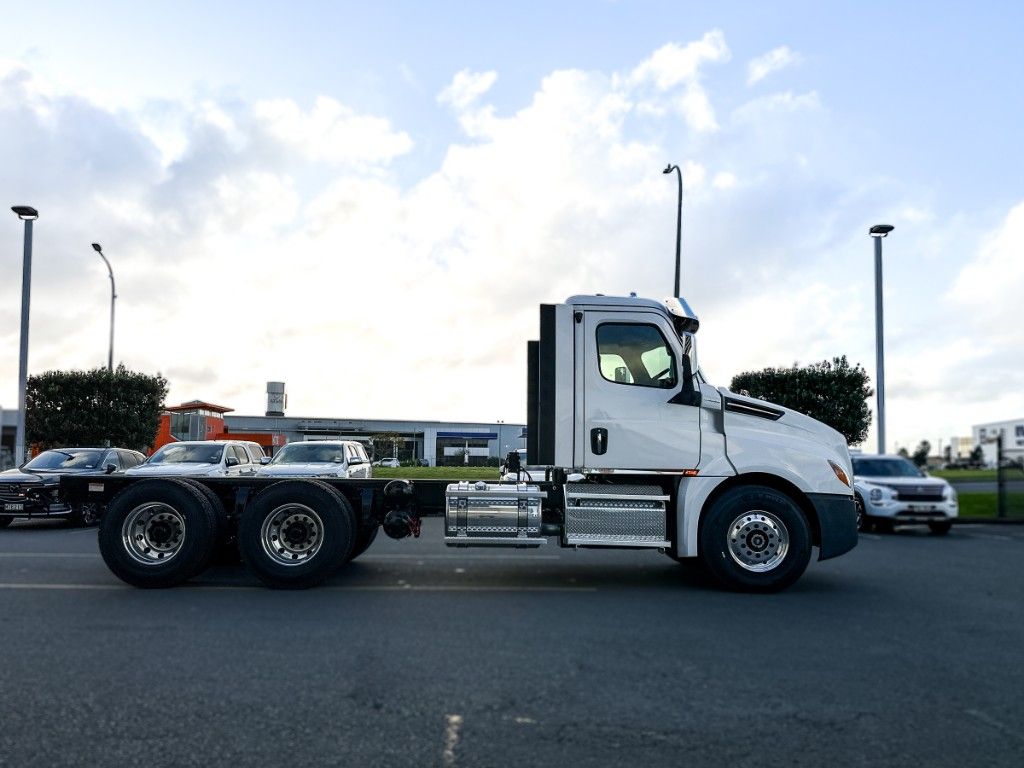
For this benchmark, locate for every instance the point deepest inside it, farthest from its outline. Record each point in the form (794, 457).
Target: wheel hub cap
(153, 533)
(758, 541)
(292, 534)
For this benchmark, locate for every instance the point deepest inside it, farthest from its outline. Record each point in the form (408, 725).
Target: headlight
(949, 493)
(875, 495)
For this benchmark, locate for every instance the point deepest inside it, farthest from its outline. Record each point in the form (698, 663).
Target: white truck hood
(748, 413)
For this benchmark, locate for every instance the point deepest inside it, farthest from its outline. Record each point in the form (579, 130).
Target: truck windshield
(71, 459)
(298, 453)
(893, 467)
(187, 454)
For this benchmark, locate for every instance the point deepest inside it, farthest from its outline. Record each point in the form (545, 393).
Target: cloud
(273, 240)
(777, 58)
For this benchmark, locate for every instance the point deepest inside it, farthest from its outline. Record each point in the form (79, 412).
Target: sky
(369, 200)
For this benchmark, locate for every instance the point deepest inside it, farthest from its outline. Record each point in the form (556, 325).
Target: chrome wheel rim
(758, 541)
(859, 505)
(153, 533)
(292, 534)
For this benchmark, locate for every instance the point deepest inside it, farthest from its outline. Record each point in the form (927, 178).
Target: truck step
(615, 515)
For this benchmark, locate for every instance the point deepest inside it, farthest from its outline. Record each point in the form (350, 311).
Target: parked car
(392, 463)
(890, 490)
(33, 489)
(319, 458)
(208, 458)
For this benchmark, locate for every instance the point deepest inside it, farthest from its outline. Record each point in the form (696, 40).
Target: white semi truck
(640, 452)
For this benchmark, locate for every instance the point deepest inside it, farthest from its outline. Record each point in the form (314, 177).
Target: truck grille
(919, 493)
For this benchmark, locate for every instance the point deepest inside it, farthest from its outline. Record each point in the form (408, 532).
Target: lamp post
(877, 232)
(113, 298)
(679, 224)
(28, 214)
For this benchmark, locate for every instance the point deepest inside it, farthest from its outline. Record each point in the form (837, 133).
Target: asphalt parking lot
(907, 651)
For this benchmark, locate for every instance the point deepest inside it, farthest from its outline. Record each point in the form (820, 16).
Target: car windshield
(304, 453)
(175, 453)
(885, 468)
(70, 459)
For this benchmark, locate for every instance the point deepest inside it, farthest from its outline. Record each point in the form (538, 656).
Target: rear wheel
(940, 527)
(158, 533)
(755, 539)
(297, 533)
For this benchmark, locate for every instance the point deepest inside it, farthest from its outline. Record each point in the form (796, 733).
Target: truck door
(631, 372)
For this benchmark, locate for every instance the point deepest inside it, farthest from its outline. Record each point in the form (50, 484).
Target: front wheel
(755, 539)
(940, 527)
(864, 522)
(5, 521)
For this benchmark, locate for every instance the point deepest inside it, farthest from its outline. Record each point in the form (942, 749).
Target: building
(431, 442)
(1012, 433)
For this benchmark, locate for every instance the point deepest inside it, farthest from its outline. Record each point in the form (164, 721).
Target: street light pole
(113, 298)
(877, 232)
(27, 214)
(679, 225)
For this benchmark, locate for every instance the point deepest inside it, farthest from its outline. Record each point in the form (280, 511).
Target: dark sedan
(33, 490)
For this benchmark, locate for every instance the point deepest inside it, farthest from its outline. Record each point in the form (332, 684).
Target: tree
(832, 391)
(903, 452)
(977, 457)
(920, 455)
(80, 408)
(388, 440)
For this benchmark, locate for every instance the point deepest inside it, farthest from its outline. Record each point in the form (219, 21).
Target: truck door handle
(598, 441)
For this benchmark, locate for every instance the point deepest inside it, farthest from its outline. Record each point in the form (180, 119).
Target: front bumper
(913, 511)
(34, 509)
(837, 522)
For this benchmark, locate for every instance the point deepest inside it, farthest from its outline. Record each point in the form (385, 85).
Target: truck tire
(225, 551)
(364, 539)
(158, 533)
(5, 521)
(755, 539)
(296, 534)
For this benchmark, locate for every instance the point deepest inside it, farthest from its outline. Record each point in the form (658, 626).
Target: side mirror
(264, 459)
(110, 468)
(688, 395)
(232, 461)
(355, 460)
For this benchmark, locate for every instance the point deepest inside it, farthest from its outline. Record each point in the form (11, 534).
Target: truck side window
(634, 353)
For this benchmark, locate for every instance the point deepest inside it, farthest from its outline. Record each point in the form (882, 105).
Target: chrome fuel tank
(493, 514)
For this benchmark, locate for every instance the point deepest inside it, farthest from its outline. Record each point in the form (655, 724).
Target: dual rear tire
(295, 533)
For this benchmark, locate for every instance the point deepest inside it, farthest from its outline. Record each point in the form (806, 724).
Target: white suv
(891, 490)
(208, 458)
(319, 458)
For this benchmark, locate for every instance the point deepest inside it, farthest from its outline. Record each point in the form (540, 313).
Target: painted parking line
(872, 536)
(30, 555)
(410, 556)
(248, 588)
